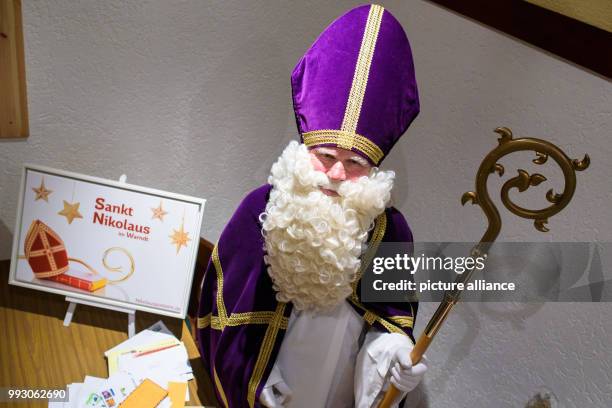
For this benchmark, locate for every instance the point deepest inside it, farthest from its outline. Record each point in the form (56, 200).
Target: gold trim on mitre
(362, 70)
(342, 139)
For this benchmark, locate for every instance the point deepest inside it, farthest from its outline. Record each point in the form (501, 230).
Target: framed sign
(105, 241)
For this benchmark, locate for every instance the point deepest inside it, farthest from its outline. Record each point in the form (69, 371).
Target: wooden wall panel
(597, 13)
(573, 40)
(13, 95)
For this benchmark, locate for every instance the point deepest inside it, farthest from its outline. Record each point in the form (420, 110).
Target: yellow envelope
(176, 392)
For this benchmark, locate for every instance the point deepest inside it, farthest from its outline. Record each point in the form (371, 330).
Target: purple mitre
(355, 87)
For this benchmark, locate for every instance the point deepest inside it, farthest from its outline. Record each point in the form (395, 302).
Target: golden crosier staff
(522, 182)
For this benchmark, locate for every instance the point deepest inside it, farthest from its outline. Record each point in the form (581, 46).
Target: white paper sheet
(156, 333)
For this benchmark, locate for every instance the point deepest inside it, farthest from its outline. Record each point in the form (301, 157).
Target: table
(37, 351)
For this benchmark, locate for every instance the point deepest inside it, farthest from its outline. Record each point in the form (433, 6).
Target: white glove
(380, 352)
(404, 375)
(276, 393)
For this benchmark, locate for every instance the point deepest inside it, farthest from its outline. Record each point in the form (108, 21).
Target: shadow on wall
(7, 237)
(461, 348)
(238, 123)
(543, 399)
(449, 369)
(396, 161)
(418, 398)
(240, 113)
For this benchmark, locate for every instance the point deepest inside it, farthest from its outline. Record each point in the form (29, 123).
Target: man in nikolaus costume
(281, 322)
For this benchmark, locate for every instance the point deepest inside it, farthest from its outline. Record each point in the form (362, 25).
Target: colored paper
(146, 395)
(176, 392)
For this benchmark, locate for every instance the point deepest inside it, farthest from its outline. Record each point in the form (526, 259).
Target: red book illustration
(81, 280)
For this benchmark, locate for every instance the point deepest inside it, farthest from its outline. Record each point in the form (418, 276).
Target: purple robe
(241, 324)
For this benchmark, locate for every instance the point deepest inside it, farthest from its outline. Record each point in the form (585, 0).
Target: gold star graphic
(180, 238)
(42, 192)
(70, 211)
(158, 212)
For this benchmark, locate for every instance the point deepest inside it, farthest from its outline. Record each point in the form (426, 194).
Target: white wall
(194, 97)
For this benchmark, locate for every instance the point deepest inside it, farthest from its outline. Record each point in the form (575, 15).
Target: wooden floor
(36, 350)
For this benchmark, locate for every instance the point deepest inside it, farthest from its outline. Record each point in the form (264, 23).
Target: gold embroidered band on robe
(220, 389)
(239, 319)
(346, 137)
(265, 351)
(220, 304)
(235, 319)
(371, 318)
(275, 320)
(402, 321)
(392, 324)
(380, 228)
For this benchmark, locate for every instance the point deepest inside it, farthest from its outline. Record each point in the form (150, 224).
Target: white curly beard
(314, 241)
